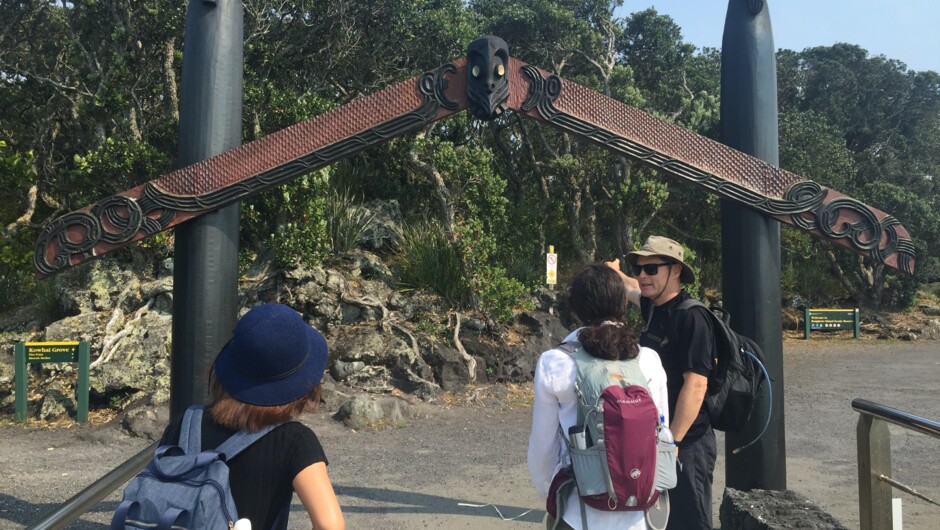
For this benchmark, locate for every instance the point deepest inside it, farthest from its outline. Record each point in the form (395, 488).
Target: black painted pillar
(205, 274)
(750, 242)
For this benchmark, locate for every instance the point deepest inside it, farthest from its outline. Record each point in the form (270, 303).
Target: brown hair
(610, 341)
(233, 414)
(598, 295)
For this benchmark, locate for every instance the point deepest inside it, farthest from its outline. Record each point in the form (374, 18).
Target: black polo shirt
(685, 342)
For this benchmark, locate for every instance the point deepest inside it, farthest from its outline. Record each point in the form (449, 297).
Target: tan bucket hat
(667, 248)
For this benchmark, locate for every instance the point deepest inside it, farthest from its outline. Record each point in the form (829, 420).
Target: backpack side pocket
(666, 476)
(588, 465)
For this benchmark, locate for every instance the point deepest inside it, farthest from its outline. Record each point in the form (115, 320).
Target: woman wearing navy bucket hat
(263, 378)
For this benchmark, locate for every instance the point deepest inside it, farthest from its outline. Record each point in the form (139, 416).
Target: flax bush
(427, 260)
(346, 220)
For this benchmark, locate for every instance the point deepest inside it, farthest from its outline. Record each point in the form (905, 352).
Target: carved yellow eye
(475, 71)
(500, 70)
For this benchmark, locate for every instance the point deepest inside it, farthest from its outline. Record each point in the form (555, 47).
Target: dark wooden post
(205, 274)
(750, 241)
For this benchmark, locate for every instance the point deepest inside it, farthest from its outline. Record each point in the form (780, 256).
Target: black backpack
(737, 380)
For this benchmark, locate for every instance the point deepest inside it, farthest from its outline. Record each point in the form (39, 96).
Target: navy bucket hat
(273, 358)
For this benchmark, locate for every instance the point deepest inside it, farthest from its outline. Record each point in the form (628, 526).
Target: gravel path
(434, 472)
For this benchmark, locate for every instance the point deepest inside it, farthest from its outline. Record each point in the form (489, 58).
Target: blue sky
(907, 30)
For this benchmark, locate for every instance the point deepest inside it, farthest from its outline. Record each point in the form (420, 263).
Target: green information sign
(51, 352)
(830, 320)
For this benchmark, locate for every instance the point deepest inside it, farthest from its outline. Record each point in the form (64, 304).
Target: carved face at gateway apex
(487, 83)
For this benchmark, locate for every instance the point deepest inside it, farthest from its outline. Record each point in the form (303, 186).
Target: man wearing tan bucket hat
(684, 340)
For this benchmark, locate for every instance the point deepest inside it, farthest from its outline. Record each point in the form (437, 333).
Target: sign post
(551, 266)
(51, 352)
(829, 320)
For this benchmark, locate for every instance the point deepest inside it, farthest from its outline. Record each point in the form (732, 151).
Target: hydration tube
(769, 404)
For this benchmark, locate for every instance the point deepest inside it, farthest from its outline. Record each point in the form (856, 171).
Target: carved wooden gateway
(488, 82)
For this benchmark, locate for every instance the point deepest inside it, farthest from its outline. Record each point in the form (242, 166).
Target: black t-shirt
(686, 345)
(261, 476)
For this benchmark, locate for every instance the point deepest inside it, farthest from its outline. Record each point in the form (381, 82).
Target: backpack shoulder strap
(689, 303)
(191, 430)
(569, 347)
(240, 441)
(575, 350)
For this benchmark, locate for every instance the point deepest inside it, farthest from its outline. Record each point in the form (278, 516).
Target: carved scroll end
(850, 223)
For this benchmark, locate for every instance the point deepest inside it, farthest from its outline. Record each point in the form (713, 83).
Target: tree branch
(471, 362)
(23, 221)
(440, 188)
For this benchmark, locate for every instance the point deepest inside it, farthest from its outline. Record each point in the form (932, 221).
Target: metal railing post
(874, 459)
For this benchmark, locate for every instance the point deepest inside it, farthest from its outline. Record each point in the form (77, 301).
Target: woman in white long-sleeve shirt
(598, 299)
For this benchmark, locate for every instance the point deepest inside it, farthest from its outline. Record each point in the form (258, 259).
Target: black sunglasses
(650, 268)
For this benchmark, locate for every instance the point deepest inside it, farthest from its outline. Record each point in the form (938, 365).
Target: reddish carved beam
(252, 168)
(727, 172)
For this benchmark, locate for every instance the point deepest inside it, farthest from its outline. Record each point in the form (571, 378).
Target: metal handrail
(83, 501)
(874, 460)
(897, 417)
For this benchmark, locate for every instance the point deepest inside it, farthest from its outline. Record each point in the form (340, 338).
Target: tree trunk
(255, 124)
(590, 221)
(172, 100)
(574, 220)
(853, 289)
(878, 284)
(133, 124)
(444, 201)
(623, 229)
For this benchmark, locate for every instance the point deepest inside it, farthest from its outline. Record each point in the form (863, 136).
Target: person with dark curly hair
(598, 301)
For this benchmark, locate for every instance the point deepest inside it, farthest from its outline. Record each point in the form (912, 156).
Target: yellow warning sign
(551, 266)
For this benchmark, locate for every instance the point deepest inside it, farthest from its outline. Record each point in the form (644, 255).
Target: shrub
(14, 287)
(291, 224)
(17, 174)
(427, 260)
(114, 166)
(500, 295)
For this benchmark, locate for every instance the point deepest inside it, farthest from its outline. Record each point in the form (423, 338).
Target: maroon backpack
(617, 462)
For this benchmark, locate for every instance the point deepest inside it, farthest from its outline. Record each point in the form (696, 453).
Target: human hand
(633, 287)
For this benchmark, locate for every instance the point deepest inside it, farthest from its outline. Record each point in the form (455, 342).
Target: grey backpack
(184, 487)
(622, 456)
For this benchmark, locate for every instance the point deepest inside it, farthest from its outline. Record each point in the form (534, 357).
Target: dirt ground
(461, 463)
